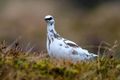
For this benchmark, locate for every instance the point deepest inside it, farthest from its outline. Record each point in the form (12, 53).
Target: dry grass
(16, 64)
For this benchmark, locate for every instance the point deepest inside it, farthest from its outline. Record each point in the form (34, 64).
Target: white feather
(61, 48)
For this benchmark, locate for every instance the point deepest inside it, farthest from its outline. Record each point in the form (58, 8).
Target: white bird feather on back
(61, 48)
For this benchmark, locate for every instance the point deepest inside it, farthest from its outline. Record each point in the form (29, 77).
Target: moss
(35, 67)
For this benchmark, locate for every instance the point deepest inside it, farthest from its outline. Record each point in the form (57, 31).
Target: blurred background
(86, 22)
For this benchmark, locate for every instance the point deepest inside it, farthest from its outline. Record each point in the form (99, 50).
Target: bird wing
(77, 50)
(70, 43)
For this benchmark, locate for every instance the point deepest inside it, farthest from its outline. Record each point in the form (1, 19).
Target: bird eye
(49, 18)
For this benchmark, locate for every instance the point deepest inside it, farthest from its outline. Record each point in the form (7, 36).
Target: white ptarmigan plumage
(61, 48)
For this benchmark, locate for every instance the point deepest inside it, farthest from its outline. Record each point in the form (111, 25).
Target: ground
(15, 64)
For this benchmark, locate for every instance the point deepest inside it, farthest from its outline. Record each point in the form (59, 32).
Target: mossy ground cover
(15, 64)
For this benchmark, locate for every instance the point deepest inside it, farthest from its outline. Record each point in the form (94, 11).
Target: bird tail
(95, 55)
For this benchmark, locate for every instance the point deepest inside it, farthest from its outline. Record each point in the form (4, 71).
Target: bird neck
(51, 27)
(51, 32)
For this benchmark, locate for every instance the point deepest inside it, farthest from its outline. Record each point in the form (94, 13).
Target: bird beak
(45, 19)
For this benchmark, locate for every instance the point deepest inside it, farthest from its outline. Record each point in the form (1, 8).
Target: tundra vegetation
(18, 64)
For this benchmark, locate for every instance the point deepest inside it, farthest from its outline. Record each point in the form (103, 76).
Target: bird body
(61, 48)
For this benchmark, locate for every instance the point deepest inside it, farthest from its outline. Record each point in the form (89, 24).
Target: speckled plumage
(61, 48)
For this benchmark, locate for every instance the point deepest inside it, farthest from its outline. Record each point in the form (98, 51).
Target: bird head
(49, 19)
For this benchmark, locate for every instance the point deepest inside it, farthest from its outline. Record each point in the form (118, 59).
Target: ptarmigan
(61, 48)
